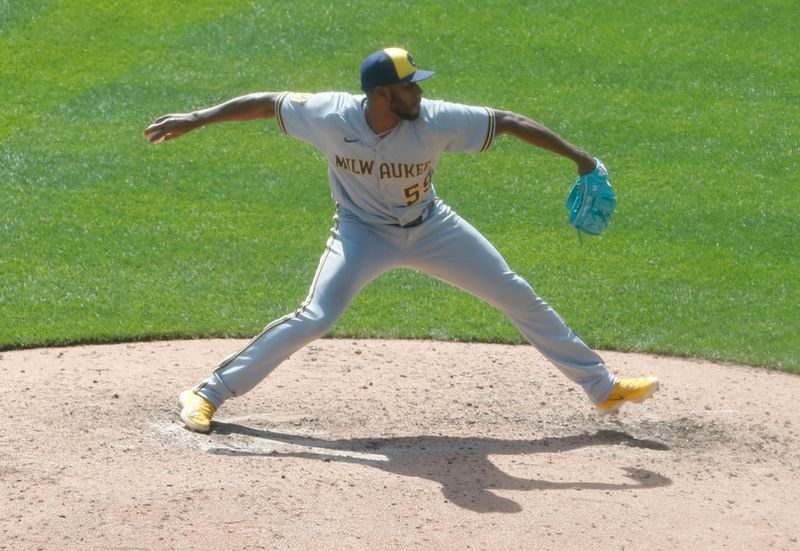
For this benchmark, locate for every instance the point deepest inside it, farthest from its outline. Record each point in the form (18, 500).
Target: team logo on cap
(402, 61)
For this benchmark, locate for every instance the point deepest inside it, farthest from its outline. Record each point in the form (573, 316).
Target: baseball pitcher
(383, 149)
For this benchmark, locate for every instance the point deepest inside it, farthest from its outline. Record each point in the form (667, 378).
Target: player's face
(404, 100)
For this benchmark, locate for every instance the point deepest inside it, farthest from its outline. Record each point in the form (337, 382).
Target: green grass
(694, 108)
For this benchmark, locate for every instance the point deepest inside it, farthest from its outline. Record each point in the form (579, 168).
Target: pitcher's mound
(392, 445)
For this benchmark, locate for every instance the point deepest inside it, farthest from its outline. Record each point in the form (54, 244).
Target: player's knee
(517, 296)
(316, 323)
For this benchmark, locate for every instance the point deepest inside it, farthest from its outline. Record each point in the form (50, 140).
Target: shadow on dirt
(461, 465)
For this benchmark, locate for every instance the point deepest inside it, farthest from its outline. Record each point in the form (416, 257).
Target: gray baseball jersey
(388, 217)
(383, 180)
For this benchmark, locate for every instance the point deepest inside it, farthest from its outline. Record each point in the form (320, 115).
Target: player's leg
(449, 248)
(353, 257)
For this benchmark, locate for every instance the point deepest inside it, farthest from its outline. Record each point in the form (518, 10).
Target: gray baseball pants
(445, 246)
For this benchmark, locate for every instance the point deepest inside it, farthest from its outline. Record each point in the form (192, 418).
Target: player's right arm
(260, 105)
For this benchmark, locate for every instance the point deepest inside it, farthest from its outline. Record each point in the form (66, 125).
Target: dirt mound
(392, 445)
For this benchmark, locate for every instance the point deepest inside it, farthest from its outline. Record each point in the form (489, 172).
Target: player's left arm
(536, 134)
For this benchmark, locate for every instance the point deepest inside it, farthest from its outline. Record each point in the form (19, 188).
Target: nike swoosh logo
(348, 140)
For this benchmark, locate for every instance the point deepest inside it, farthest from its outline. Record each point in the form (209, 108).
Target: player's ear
(379, 93)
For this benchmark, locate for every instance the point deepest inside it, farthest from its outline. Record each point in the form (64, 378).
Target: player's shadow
(460, 465)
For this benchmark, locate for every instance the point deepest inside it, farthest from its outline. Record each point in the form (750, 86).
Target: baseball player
(382, 150)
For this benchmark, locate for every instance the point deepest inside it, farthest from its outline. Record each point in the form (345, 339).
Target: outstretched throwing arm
(259, 105)
(535, 133)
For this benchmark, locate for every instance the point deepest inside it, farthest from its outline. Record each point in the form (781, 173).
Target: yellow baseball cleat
(196, 411)
(628, 390)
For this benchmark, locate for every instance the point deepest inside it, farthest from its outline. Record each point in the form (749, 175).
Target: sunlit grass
(693, 108)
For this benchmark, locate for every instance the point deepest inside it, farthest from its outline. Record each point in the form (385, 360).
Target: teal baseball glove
(591, 201)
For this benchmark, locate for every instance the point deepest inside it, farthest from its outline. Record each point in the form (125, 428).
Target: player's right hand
(170, 126)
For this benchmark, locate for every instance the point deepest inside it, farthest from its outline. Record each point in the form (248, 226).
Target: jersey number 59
(414, 192)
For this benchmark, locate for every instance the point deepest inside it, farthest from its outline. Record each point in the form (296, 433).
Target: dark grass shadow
(460, 465)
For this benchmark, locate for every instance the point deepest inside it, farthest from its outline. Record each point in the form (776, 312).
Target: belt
(419, 219)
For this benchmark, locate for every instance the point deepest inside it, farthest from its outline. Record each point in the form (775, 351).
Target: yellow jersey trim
(278, 116)
(490, 131)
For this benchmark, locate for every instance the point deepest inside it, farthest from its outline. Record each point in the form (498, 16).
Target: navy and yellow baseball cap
(390, 66)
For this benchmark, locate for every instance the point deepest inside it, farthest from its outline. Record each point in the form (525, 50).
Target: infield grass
(693, 107)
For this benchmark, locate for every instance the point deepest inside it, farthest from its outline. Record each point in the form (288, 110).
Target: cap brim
(421, 75)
